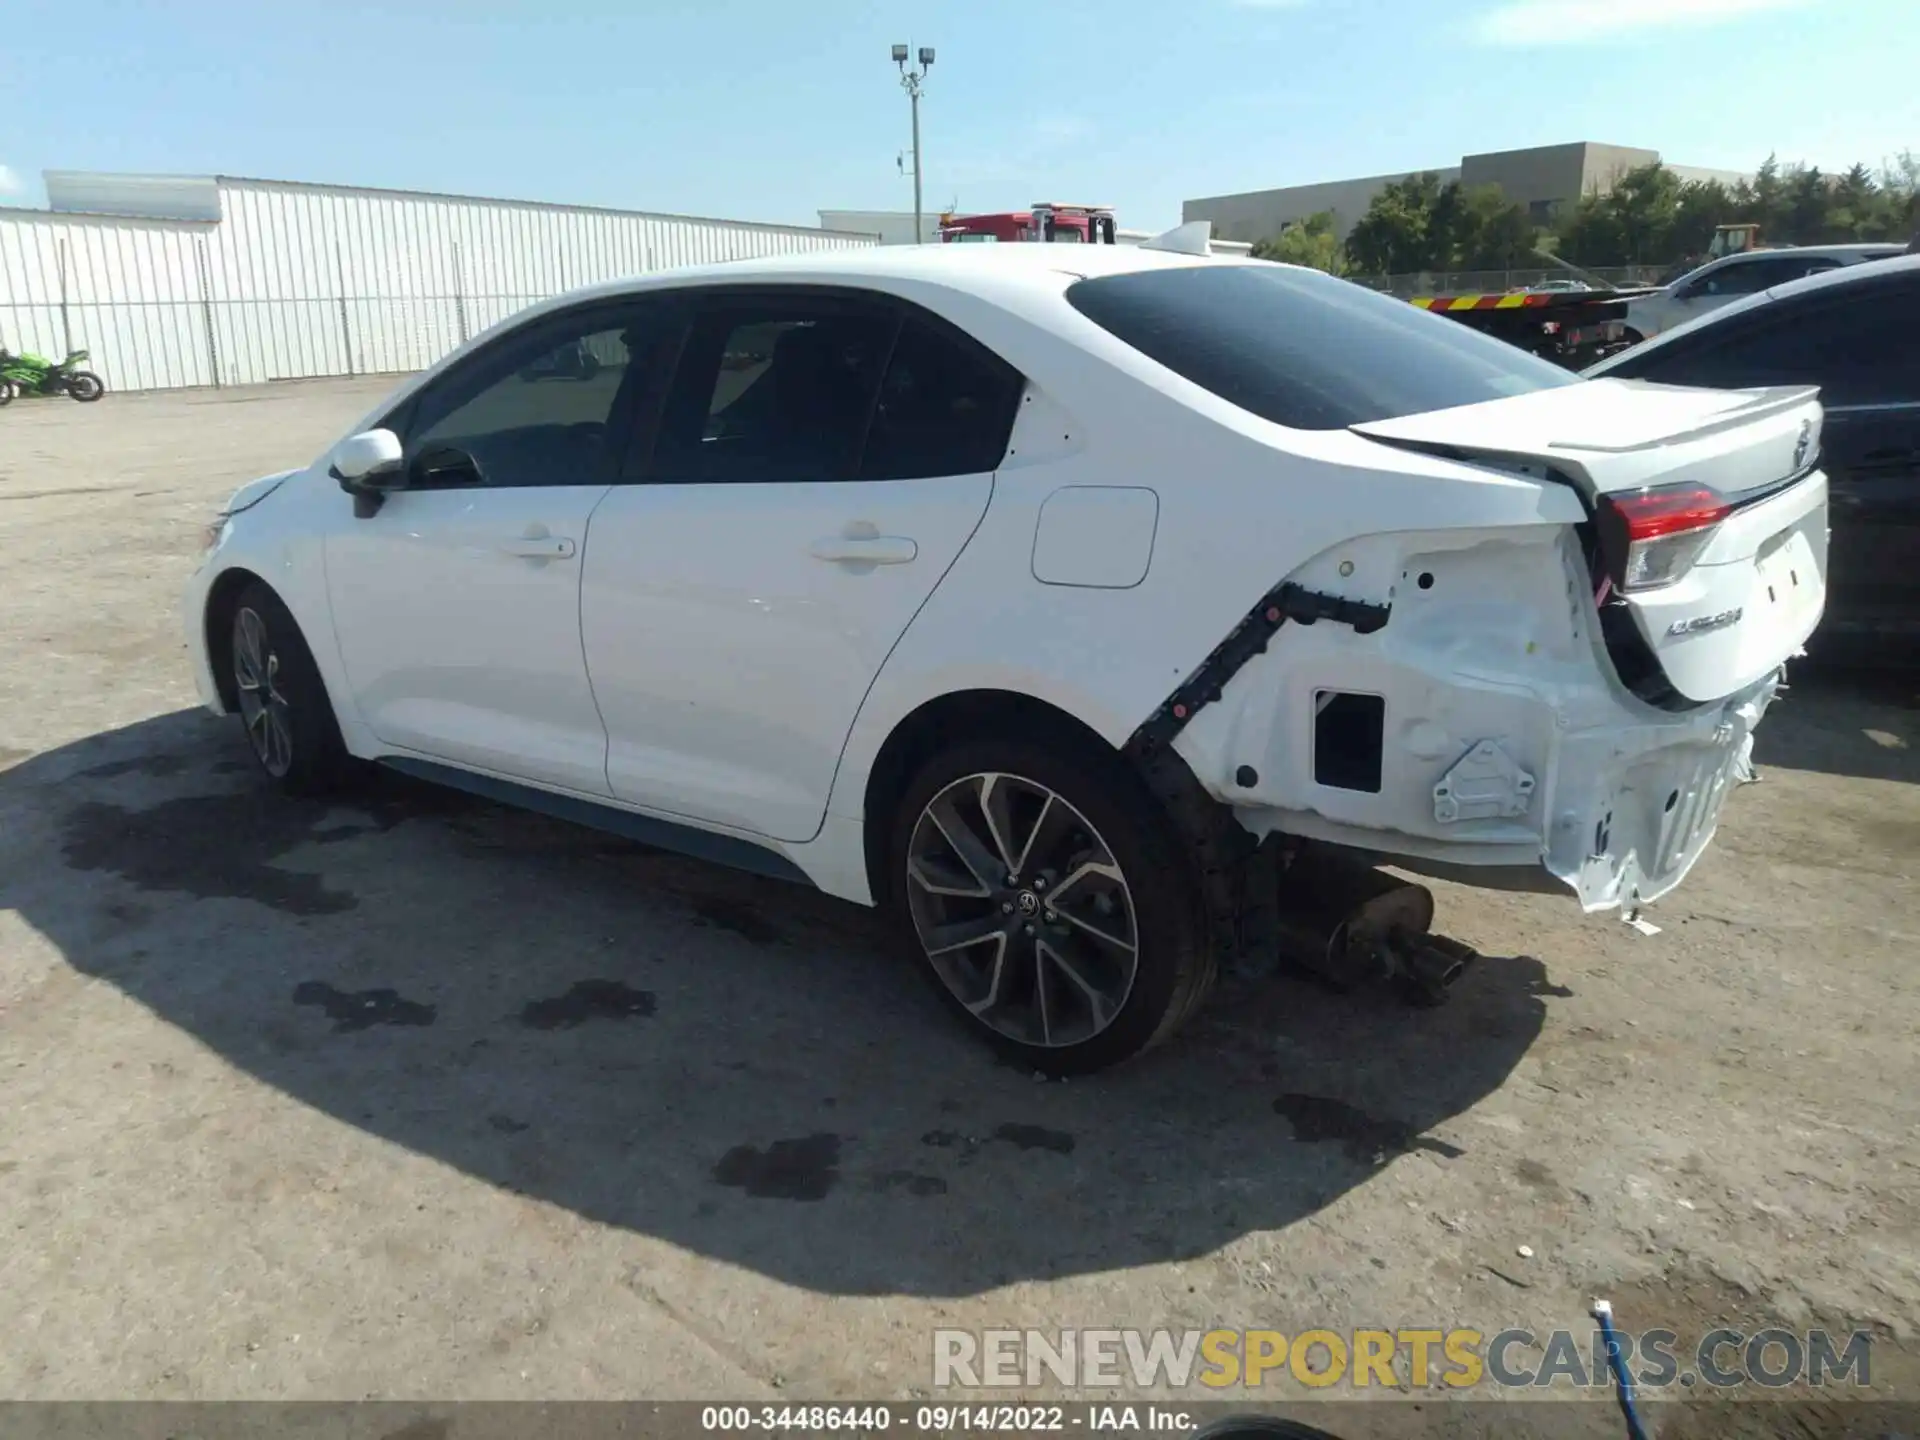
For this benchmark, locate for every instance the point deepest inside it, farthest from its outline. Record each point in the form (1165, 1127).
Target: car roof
(961, 266)
(1864, 249)
(1019, 276)
(1872, 272)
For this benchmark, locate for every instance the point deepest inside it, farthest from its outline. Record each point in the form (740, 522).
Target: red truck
(1044, 221)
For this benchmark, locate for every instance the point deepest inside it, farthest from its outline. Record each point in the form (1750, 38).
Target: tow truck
(1574, 328)
(1044, 221)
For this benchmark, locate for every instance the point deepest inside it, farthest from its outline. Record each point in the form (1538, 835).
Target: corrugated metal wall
(299, 280)
(128, 291)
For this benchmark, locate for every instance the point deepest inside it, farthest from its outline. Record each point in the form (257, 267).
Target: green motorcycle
(37, 375)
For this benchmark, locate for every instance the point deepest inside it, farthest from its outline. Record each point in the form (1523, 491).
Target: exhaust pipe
(1352, 925)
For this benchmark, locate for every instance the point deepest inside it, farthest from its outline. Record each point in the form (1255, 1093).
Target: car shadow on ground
(734, 1065)
(1861, 723)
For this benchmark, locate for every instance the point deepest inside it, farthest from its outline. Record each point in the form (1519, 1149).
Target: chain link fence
(162, 344)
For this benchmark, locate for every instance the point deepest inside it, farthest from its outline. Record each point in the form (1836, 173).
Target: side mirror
(364, 457)
(367, 466)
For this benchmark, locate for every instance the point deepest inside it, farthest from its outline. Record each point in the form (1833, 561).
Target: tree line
(1650, 217)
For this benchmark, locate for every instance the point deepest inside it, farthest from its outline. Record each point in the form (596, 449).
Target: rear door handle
(545, 547)
(865, 550)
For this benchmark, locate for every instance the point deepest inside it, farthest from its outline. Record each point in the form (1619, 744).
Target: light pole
(911, 81)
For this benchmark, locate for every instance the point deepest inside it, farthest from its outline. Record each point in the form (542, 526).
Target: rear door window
(1303, 349)
(946, 407)
(774, 390)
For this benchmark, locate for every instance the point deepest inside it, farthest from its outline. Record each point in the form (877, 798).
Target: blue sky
(772, 109)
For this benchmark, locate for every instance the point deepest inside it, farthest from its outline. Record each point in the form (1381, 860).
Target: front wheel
(1042, 891)
(289, 720)
(85, 386)
(7, 392)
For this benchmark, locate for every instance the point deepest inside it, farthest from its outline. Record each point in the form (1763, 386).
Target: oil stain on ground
(1021, 1137)
(803, 1169)
(361, 1009)
(1366, 1140)
(588, 1000)
(1035, 1137)
(163, 763)
(907, 1180)
(223, 846)
(727, 915)
(427, 1428)
(209, 846)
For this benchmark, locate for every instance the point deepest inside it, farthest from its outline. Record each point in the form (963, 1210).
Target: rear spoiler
(1593, 467)
(1774, 400)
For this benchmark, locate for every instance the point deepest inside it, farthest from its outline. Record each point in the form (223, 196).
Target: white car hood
(254, 491)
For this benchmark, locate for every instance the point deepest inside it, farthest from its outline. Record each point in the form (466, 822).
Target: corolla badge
(1803, 447)
(1702, 623)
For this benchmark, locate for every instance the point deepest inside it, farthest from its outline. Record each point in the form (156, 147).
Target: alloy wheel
(1022, 910)
(256, 674)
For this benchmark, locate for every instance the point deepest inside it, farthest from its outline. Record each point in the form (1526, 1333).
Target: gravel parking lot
(409, 1096)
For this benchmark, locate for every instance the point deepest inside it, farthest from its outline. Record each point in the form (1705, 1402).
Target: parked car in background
(1021, 595)
(1560, 287)
(1721, 282)
(1855, 333)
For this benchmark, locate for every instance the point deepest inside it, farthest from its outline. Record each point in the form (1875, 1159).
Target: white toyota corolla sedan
(1023, 592)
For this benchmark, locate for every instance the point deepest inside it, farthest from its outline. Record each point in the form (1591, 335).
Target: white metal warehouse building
(211, 280)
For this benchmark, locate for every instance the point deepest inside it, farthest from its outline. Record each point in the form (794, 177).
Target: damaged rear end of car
(1574, 698)
(1544, 672)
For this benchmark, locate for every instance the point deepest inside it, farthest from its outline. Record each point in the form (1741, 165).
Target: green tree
(1701, 207)
(1645, 199)
(1765, 200)
(1395, 236)
(1592, 234)
(1649, 217)
(1856, 204)
(1809, 203)
(1418, 224)
(1313, 242)
(1491, 232)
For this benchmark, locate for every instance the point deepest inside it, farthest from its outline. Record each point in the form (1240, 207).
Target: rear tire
(1040, 889)
(7, 392)
(284, 710)
(85, 386)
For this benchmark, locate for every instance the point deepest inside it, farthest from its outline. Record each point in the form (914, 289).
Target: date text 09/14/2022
(939, 1419)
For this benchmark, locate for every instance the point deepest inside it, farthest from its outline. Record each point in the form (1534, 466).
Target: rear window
(1303, 349)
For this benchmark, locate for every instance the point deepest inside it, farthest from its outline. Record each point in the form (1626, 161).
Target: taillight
(1653, 538)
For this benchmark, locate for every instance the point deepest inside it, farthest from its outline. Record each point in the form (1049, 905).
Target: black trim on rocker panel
(728, 850)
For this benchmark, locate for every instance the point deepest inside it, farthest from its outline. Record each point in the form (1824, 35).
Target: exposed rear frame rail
(1245, 641)
(1239, 879)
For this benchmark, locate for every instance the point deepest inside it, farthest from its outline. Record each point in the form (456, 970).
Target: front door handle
(545, 547)
(865, 549)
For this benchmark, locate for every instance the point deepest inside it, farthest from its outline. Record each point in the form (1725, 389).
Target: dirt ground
(413, 1097)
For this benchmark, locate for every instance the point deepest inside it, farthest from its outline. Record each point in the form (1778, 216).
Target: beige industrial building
(1542, 178)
